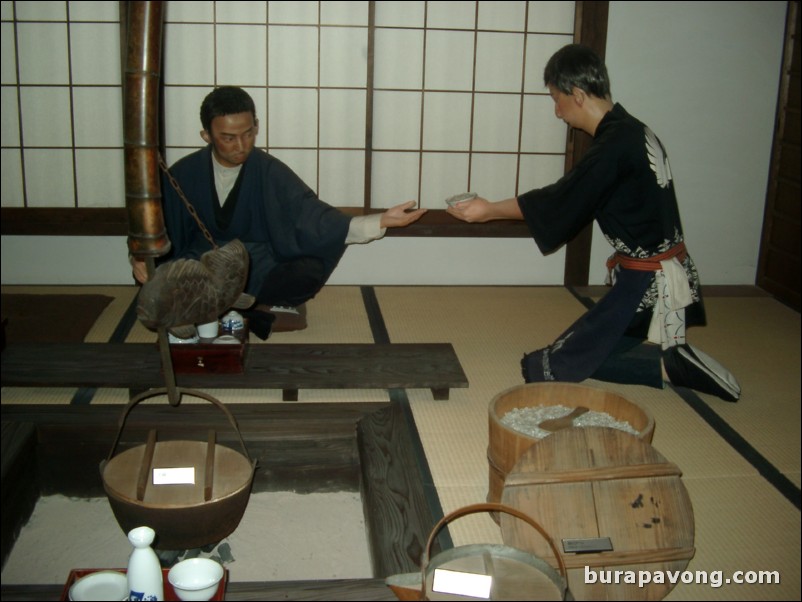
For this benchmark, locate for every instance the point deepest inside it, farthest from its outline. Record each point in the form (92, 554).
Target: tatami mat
(743, 521)
(742, 525)
(758, 339)
(490, 329)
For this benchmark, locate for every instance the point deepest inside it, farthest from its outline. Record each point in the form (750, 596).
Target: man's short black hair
(576, 66)
(226, 100)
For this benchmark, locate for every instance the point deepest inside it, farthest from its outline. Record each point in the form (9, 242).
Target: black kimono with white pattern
(624, 183)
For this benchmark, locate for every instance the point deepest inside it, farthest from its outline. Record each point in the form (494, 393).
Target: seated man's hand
(401, 215)
(140, 270)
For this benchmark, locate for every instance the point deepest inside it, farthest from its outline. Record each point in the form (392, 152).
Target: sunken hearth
(311, 447)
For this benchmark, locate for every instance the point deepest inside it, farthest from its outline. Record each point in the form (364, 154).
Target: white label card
(462, 584)
(174, 476)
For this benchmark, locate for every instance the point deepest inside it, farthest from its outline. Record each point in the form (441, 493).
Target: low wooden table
(289, 367)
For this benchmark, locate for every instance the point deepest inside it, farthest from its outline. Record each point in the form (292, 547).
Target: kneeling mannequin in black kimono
(636, 333)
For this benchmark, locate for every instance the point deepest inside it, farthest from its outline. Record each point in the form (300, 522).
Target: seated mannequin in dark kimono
(636, 333)
(294, 240)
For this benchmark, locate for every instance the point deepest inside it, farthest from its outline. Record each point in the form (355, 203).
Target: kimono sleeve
(302, 224)
(557, 213)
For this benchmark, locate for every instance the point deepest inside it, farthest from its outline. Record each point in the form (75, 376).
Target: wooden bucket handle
(488, 507)
(195, 393)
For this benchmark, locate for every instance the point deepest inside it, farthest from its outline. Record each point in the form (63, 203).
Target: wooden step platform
(289, 367)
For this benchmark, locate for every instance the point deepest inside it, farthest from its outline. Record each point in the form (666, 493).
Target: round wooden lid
(228, 473)
(586, 486)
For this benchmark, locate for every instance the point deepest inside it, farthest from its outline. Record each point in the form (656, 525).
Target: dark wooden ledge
(290, 367)
(17, 221)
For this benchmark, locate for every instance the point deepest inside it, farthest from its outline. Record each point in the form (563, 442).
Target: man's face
(232, 137)
(564, 105)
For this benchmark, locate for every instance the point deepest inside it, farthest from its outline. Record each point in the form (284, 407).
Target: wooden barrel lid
(590, 483)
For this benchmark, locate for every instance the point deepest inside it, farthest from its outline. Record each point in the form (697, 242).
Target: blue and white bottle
(145, 580)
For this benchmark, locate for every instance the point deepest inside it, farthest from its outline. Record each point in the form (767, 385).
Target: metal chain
(182, 196)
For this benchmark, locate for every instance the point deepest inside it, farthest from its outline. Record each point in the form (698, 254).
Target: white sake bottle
(145, 580)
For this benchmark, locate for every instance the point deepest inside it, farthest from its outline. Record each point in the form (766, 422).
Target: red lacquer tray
(169, 592)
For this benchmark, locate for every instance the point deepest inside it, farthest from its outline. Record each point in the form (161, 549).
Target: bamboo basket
(184, 516)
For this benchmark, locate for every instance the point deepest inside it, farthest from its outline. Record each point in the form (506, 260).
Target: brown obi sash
(648, 264)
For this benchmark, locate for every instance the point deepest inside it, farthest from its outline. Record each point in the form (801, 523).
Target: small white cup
(176, 341)
(196, 578)
(208, 330)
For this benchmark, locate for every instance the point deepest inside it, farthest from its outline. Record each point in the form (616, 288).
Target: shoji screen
(431, 98)
(370, 103)
(61, 105)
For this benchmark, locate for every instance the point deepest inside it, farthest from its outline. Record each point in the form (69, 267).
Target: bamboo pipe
(147, 235)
